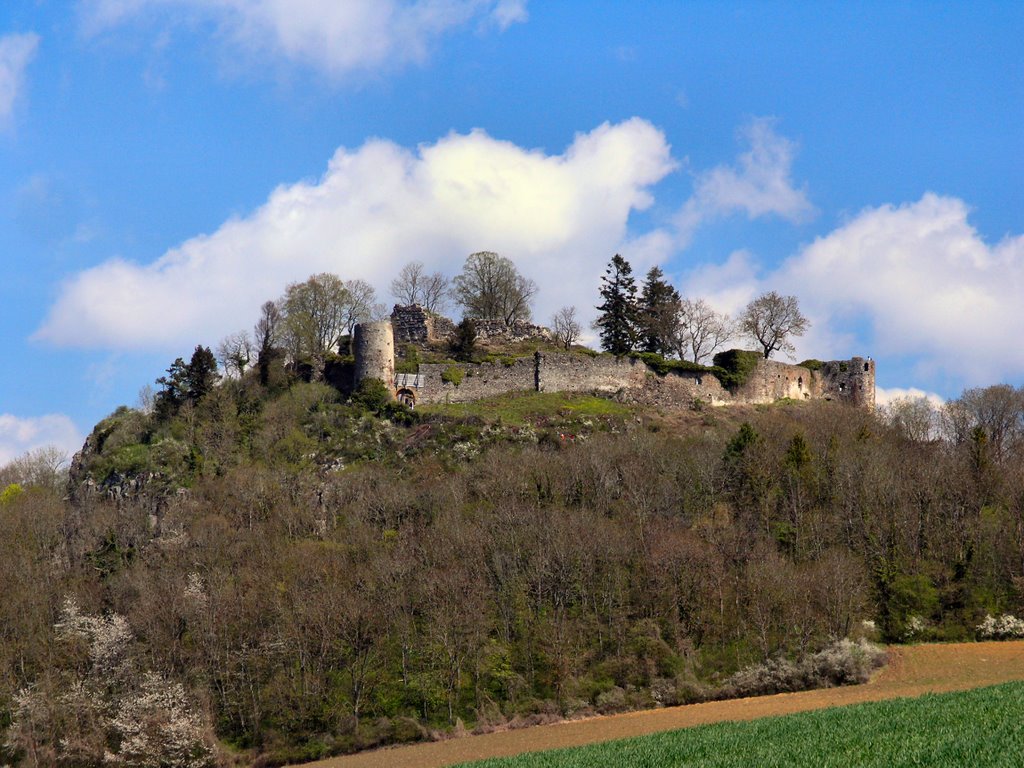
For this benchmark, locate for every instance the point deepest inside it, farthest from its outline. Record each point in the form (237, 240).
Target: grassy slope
(973, 728)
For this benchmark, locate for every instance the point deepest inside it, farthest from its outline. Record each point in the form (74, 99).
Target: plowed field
(912, 671)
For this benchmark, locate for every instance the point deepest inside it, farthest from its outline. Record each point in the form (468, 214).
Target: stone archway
(406, 397)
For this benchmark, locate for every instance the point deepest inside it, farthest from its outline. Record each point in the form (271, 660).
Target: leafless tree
(491, 288)
(771, 319)
(701, 331)
(235, 353)
(360, 305)
(414, 286)
(267, 331)
(566, 327)
(915, 417)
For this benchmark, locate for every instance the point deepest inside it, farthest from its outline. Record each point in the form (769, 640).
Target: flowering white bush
(158, 728)
(109, 712)
(1005, 627)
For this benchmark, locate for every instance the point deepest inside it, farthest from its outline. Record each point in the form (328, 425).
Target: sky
(166, 166)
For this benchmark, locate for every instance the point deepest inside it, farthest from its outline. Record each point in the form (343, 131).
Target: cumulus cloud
(759, 184)
(888, 395)
(16, 51)
(336, 37)
(559, 217)
(928, 286)
(21, 435)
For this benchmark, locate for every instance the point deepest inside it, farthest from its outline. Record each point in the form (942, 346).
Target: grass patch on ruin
(976, 728)
(520, 408)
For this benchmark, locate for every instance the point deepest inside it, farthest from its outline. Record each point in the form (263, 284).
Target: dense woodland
(288, 573)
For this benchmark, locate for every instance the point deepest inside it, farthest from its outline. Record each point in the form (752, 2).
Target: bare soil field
(911, 671)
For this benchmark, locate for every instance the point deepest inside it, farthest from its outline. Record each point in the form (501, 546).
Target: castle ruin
(628, 378)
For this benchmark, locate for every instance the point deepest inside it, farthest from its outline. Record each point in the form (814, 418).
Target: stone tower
(374, 347)
(850, 380)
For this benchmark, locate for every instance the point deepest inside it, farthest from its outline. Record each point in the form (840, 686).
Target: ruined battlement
(628, 378)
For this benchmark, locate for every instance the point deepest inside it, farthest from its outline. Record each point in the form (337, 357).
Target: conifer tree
(618, 319)
(659, 314)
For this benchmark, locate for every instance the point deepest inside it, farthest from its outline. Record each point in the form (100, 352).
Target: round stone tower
(374, 346)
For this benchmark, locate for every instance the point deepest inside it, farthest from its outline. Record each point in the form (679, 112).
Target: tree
(267, 338)
(414, 286)
(701, 331)
(491, 288)
(235, 352)
(771, 320)
(464, 343)
(658, 314)
(566, 327)
(359, 306)
(317, 313)
(618, 319)
(186, 382)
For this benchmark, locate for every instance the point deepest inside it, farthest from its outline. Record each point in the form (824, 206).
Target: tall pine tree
(618, 319)
(659, 314)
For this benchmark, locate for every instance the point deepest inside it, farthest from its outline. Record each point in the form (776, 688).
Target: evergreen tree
(659, 314)
(464, 343)
(618, 319)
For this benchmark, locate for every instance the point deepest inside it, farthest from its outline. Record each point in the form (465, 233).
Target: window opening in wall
(799, 382)
(867, 367)
(842, 387)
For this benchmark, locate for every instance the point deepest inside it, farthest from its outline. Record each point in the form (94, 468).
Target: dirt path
(912, 671)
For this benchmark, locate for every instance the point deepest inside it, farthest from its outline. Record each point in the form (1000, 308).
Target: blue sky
(167, 165)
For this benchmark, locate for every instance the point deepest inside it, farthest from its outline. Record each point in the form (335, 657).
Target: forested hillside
(288, 574)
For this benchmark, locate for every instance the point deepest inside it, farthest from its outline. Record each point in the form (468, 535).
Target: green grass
(519, 408)
(974, 728)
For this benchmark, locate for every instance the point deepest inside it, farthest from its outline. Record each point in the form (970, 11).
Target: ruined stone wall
(495, 330)
(374, 347)
(478, 381)
(414, 325)
(849, 380)
(566, 372)
(772, 381)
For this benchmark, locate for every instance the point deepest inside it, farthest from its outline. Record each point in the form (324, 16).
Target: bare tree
(566, 327)
(360, 305)
(267, 331)
(491, 288)
(914, 417)
(414, 286)
(771, 320)
(701, 331)
(235, 353)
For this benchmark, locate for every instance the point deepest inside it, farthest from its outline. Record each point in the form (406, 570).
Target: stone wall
(851, 380)
(478, 381)
(414, 325)
(567, 372)
(772, 381)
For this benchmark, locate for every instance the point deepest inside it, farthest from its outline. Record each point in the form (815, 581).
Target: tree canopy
(771, 320)
(617, 322)
(491, 288)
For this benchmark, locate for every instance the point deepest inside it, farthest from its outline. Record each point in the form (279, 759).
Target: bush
(371, 395)
(452, 375)
(1006, 627)
(844, 662)
(811, 364)
(736, 366)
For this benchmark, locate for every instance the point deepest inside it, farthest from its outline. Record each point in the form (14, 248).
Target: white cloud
(559, 217)
(929, 287)
(887, 395)
(337, 37)
(20, 435)
(760, 184)
(16, 51)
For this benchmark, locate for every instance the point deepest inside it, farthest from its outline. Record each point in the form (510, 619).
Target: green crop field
(983, 727)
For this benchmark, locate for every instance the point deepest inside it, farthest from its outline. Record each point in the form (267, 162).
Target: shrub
(736, 366)
(453, 374)
(811, 364)
(371, 395)
(844, 662)
(1006, 627)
